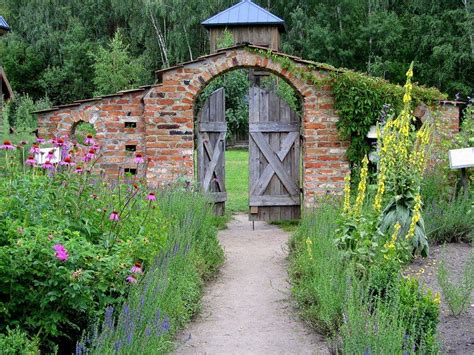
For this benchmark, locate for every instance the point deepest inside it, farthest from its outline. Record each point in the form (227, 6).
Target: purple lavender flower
(165, 325)
(80, 349)
(118, 346)
(109, 320)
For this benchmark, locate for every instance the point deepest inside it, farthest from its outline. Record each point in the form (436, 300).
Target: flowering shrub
(356, 292)
(369, 232)
(73, 244)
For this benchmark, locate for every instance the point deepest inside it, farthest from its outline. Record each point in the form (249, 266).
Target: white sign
(461, 158)
(43, 156)
(372, 134)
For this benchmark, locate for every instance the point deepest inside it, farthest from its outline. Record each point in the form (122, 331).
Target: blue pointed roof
(4, 24)
(244, 13)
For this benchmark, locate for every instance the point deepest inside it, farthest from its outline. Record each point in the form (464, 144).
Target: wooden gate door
(211, 131)
(274, 158)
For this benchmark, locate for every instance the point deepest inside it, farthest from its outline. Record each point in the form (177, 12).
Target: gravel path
(248, 308)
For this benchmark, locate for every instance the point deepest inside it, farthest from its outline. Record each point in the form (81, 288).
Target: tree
(114, 69)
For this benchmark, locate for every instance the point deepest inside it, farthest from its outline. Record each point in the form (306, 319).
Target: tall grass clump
(449, 216)
(402, 322)
(318, 269)
(457, 294)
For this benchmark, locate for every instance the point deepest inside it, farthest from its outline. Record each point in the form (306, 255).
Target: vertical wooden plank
(285, 116)
(275, 186)
(254, 157)
(264, 212)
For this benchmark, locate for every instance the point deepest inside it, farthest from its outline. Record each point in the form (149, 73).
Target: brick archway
(158, 120)
(169, 119)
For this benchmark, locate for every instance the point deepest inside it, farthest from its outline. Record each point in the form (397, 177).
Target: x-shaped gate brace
(275, 165)
(213, 153)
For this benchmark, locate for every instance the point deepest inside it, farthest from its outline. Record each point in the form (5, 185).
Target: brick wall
(165, 122)
(108, 116)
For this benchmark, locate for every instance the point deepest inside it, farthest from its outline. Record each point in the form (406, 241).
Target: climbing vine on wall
(359, 98)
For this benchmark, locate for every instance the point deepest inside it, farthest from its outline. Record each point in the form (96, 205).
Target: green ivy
(359, 98)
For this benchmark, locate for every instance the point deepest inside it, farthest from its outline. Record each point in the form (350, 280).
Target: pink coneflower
(30, 161)
(131, 279)
(89, 155)
(61, 252)
(7, 145)
(40, 140)
(59, 142)
(50, 155)
(78, 169)
(137, 268)
(151, 197)
(139, 159)
(67, 161)
(35, 149)
(89, 140)
(47, 165)
(114, 216)
(96, 147)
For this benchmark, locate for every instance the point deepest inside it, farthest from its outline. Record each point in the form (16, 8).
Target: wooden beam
(272, 200)
(274, 127)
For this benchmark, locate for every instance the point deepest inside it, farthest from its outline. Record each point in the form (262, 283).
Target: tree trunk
(160, 39)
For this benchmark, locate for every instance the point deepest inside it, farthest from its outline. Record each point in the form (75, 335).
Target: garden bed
(95, 265)
(455, 333)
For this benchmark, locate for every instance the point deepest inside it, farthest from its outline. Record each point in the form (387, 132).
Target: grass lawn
(237, 180)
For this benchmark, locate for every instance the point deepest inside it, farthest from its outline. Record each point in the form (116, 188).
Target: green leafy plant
(403, 319)
(457, 295)
(72, 245)
(16, 341)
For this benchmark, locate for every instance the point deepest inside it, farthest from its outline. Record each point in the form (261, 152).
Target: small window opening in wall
(80, 130)
(131, 148)
(130, 171)
(130, 125)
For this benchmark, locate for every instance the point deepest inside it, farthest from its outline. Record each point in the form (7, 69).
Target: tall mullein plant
(403, 156)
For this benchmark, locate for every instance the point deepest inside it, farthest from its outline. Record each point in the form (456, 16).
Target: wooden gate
(274, 158)
(211, 131)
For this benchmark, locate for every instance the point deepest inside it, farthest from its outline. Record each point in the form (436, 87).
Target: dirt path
(248, 309)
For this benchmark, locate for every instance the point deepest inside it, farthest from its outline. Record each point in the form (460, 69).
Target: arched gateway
(158, 120)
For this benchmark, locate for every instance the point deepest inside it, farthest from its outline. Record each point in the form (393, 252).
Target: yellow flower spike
(380, 187)
(347, 193)
(437, 298)
(362, 187)
(409, 73)
(416, 217)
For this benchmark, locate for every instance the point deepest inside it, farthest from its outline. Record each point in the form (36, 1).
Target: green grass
(237, 180)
